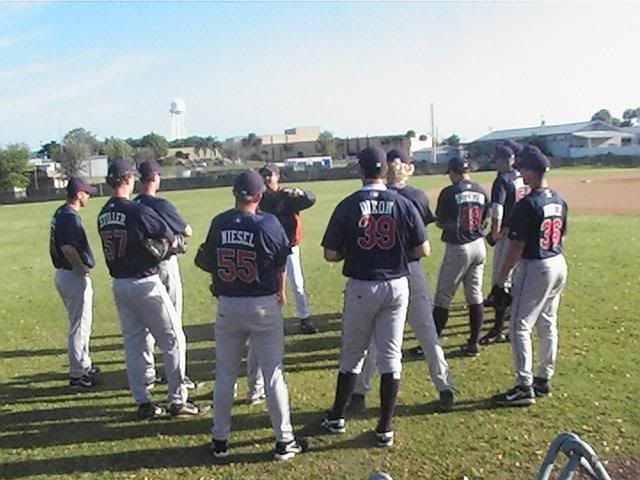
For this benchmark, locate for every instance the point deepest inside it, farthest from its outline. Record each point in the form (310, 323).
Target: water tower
(177, 111)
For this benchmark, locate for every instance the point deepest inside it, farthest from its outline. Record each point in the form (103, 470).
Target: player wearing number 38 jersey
(538, 227)
(461, 211)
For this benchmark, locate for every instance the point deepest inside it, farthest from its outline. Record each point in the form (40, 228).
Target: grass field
(48, 430)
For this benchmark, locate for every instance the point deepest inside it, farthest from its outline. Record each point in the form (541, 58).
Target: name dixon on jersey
(238, 237)
(112, 218)
(373, 207)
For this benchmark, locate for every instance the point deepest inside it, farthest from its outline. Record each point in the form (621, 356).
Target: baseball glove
(501, 297)
(159, 248)
(181, 245)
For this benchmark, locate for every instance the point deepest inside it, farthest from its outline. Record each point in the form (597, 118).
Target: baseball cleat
(541, 387)
(256, 399)
(188, 409)
(492, 336)
(219, 448)
(357, 404)
(415, 351)
(149, 410)
(307, 327)
(85, 381)
(334, 426)
(288, 450)
(93, 371)
(191, 385)
(385, 439)
(446, 401)
(518, 396)
(470, 349)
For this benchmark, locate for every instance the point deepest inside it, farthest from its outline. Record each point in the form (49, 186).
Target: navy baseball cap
(148, 169)
(373, 162)
(77, 185)
(503, 152)
(248, 184)
(458, 165)
(531, 158)
(119, 168)
(399, 153)
(269, 169)
(513, 145)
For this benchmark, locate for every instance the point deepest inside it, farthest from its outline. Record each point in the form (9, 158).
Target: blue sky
(353, 68)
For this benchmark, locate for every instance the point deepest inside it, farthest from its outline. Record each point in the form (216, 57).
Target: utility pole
(434, 139)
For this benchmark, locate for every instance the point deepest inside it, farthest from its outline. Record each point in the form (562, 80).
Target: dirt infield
(601, 194)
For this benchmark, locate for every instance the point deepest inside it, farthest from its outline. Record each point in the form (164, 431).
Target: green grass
(47, 430)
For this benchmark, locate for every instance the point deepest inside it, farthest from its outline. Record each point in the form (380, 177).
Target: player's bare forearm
(514, 254)
(423, 250)
(332, 255)
(282, 286)
(72, 255)
(496, 226)
(188, 231)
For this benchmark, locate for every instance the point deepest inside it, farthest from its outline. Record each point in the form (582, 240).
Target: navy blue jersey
(540, 221)
(287, 208)
(123, 226)
(508, 189)
(67, 229)
(249, 251)
(461, 212)
(166, 210)
(375, 230)
(420, 201)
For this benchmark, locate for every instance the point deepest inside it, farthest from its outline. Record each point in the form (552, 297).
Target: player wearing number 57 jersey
(538, 227)
(461, 212)
(376, 231)
(246, 253)
(126, 229)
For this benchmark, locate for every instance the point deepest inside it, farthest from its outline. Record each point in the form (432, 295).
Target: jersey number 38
(550, 233)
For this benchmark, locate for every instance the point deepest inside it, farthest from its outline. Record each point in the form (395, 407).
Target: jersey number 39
(236, 264)
(550, 233)
(378, 232)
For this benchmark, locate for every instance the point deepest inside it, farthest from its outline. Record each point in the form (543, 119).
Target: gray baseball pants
(259, 321)
(76, 292)
(296, 281)
(500, 250)
(374, 311)
(420, 318)
(170, 277)
(145, 307)
(461, 264)
(538, 285)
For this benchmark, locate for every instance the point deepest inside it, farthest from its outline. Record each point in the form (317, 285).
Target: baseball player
(286, 204)
(537, 231)
(461, 212)
(169, 269)
(73, 259)
(375, 231)
(508, 188)
(419, 313)
(134, 240)
(246, 253)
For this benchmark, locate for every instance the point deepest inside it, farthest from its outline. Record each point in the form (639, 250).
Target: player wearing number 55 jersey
(127, 229)
(538, 227)
(246, 253)
(461, 212)
(376, 231)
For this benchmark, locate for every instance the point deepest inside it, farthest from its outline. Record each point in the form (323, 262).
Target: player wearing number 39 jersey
(376, 231)
(246, 253)
(538, 227)
(461, 212)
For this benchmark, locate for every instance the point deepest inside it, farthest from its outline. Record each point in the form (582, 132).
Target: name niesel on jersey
(376, 207)
(552, 210)
(470, 197)
(237, 237)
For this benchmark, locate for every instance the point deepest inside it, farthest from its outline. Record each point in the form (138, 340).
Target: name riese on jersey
(552, 210)
(469, 197)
